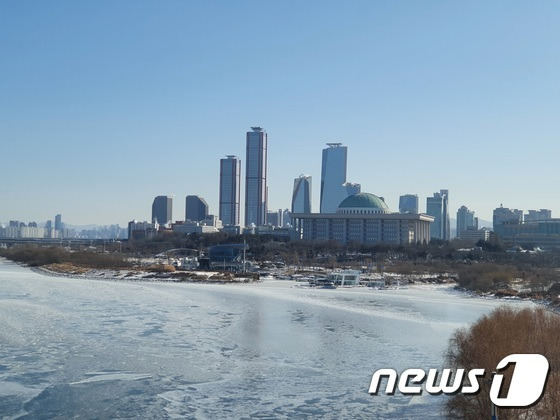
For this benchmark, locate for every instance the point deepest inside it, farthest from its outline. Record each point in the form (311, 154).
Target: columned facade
(367, 228)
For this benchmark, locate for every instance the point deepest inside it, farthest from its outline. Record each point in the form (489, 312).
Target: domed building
(363, 218)
(363, 203)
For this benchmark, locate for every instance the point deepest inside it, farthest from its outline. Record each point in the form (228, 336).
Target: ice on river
(104, 349)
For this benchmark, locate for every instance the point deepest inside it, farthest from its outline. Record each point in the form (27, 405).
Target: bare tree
(506, 331)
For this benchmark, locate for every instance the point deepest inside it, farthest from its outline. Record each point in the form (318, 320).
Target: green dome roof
(362, 201)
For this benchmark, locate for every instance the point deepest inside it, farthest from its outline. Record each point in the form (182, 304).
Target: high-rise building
(58, 222)
(502, 215)
(446, 224)
(196, 208)
(230, 190)
(256, 188)
(301, 196)
(465, 221)
(286, 218)
(408, 203)
(352, 188)
(162, 209)
(334, 188)
(434, 208)
(274, 218)
(438, 207)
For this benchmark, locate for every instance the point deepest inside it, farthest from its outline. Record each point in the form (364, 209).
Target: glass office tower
(196, 208)
(230, 190)
(334, 188)
(256, 188)
(162, 208)
(438, 207)
(408, 203)
(301, 196)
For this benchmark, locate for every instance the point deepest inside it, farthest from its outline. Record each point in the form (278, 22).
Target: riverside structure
(363, 218)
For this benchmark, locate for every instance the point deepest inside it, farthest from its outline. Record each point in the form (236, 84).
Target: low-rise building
(227, 256)
(474, 234)
(209, 225)
(543, 233)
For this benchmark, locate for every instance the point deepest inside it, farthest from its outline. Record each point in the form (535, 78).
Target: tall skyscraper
(196, 208)
(438, 207)
(465, 220)
(301, 196)
(434, 208)
(162, 209)
(445, 217)
(256, 188)
(334, 188)
(230, 190)
(408, 203)
(58, 222)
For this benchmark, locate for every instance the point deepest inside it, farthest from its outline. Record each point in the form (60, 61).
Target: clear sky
(106, 104)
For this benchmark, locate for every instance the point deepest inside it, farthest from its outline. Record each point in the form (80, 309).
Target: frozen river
(100, 349)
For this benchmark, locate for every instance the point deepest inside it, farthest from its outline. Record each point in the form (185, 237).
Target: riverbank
(140, 275)
(151, 274)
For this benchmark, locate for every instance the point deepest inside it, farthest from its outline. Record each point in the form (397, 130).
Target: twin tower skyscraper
(256, 187)
(334, 188)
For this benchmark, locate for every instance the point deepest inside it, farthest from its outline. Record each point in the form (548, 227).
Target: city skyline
(445, 228)
(88, 90)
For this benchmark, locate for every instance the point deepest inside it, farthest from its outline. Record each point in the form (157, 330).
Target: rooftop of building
(364, 201)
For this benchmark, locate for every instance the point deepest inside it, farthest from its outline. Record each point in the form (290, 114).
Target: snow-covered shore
(138, 275)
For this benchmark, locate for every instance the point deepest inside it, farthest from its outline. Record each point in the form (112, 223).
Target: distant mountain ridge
(481, 223)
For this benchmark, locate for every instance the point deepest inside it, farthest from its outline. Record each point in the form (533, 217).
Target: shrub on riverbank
(66, 268)
(486, 277)
(506, 331)
(33, 256)
(160, 268)
(39, 256)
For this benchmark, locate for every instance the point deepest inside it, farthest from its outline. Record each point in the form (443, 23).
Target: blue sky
(104, 105)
